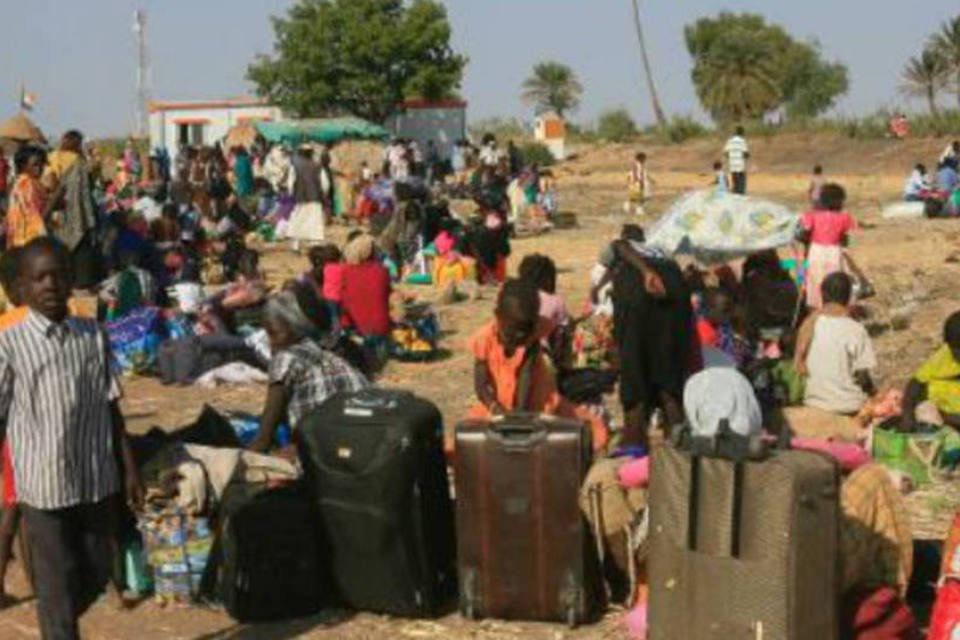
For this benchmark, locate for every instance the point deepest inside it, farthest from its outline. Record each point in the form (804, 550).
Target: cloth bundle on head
(360, 249)
(717, 394)
(283, 308)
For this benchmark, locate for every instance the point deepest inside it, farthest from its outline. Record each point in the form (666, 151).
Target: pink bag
(848, 455)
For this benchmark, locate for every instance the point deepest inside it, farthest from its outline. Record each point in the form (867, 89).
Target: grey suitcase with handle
(743, 550)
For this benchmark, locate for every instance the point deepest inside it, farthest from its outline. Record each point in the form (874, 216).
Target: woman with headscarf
(365, 290)
(302, 374)
(28, 200)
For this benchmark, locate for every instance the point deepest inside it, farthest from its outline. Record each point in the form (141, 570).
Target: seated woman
(302, 374)
(510, 373)
(835, 354)
(937, 380)
(365, 290)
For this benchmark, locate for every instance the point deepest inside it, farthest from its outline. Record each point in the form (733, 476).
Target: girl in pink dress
(825, 230)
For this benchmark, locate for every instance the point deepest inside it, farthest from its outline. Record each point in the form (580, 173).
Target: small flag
(27, 99)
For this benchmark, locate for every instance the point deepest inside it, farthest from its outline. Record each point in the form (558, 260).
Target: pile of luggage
(740, 539)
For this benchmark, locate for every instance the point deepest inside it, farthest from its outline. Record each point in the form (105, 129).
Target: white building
(444, 122)
(198, 123)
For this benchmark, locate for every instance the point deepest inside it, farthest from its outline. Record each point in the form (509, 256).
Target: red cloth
(707, 334)
(881, 614)
(365, 298)
(9, 485)
(945, 618)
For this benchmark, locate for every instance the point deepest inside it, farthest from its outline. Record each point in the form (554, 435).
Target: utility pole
(143, 92)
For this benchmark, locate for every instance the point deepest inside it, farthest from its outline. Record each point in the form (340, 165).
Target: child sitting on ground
(835, 354)
(326, 279)
(510, 373)
(715, 326)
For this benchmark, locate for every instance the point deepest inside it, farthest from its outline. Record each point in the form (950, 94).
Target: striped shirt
(56, 390)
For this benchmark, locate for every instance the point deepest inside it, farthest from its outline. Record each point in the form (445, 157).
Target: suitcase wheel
(572, 617)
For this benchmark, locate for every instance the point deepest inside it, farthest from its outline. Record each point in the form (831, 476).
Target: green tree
(552, 86)
(924, 75)
(947, 44)
(744, 68)
(616, 126)
(361, 57)
(810, 84)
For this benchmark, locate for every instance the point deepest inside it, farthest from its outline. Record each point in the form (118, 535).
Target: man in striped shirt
(67, 438)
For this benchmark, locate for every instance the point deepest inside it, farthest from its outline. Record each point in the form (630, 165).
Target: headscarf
(717, 394)
(359, 250)
(283, 308)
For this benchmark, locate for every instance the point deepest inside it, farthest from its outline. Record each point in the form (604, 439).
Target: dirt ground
(912, 264)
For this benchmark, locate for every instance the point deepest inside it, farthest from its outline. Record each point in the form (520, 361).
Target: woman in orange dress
(28, 199)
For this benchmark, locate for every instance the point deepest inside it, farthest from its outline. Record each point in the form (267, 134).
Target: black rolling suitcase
(268, 554)
(374, 460)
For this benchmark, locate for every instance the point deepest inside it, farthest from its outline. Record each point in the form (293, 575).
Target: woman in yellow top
(937, 380)
(28, 208)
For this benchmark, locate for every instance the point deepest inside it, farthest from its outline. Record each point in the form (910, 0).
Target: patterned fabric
(714, 227)
(310, 375)
(135, 340)
(25, 213)
(876, 543)
(78, 217)
(56, 389)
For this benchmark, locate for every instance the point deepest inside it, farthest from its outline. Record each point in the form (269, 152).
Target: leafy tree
(552, 86)
(811, 85)
(358, 56)
(745, 68)
(616, 126)
(924, 75)
(947, 44)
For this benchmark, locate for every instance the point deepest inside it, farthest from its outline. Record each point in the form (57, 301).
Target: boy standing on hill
(59, 399)
(737, 153)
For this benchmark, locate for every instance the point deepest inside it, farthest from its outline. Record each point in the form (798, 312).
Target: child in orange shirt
(504, 346)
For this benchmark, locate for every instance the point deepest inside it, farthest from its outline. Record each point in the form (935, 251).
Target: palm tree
(924, 75)
(654, 99)
(552, 86)
(738, 80)
(947, 44)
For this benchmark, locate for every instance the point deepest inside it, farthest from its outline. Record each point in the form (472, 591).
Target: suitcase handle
(514, 435)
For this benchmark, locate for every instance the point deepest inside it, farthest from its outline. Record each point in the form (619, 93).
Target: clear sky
(78, 56)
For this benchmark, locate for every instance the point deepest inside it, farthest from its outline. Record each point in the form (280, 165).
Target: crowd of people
(158, 226)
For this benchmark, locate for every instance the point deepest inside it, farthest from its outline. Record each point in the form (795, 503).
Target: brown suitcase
(523, 548)
(757, 560)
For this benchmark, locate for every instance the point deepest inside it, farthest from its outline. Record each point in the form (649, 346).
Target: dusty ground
(908, 262)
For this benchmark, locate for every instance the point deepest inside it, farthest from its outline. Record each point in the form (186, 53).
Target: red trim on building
(179, 121)
(417, 103)
(209, 104)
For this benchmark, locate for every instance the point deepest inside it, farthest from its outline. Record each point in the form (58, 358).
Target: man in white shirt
(737, 153)
(835, 354)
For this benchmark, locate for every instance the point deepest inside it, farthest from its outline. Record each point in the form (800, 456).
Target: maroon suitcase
(523, 548)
